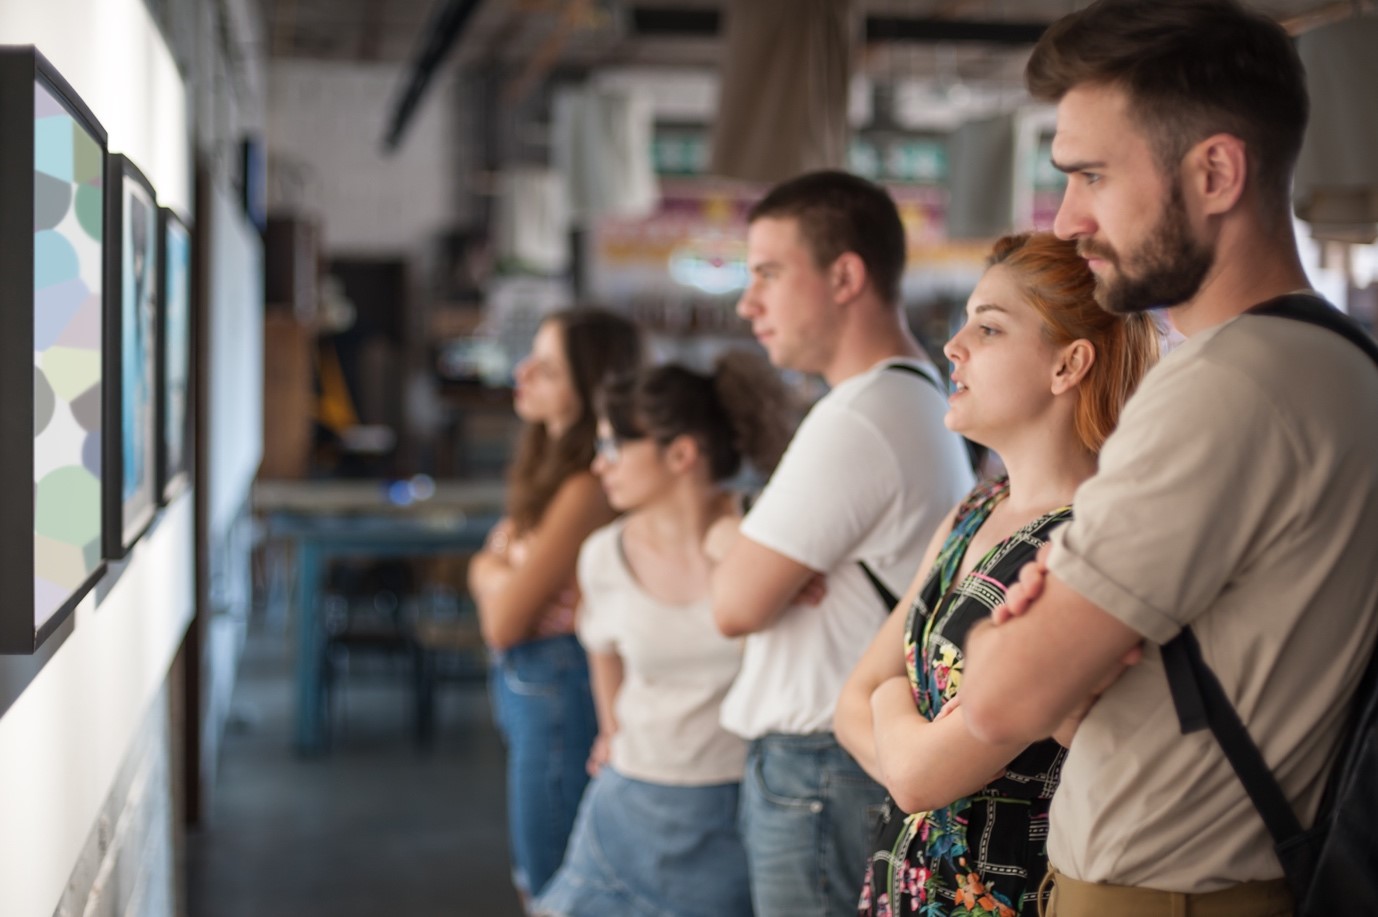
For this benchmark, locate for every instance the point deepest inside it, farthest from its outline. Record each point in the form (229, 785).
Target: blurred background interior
(275, 703)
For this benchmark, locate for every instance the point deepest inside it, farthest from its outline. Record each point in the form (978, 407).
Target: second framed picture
(131, 349)
(173, 377)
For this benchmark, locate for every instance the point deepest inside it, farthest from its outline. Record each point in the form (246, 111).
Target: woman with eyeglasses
(1041, 373)
(657, 833)
(523, 582)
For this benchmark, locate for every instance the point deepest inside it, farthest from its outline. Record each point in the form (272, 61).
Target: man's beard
(1168, 268)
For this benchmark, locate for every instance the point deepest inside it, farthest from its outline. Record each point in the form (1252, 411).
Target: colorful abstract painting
(176, 344)
(67, 280)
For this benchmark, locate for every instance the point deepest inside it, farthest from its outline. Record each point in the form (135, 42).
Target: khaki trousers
(1072, 898)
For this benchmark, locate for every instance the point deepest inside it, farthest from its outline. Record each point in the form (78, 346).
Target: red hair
(1057, 283)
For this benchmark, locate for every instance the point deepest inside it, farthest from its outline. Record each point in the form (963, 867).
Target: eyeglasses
(609, 448)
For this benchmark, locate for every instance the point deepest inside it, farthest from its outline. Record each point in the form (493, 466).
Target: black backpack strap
(915, 371)
(1201, 703)
(883, 592)
(1316, 311)
(976, 453)
(887, 598)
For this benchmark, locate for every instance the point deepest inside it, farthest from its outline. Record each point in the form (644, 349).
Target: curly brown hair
(741, 411)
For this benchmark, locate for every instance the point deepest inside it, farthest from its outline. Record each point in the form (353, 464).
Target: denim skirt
(650, 850)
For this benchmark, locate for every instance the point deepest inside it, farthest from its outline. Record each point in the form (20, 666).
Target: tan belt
(1073, 898)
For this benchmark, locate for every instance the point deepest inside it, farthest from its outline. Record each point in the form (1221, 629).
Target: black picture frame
(131, 347)
(52, 304)
(173, 371)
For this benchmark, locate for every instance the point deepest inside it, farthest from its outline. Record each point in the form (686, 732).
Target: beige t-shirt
(1240, 496)
(677, 668)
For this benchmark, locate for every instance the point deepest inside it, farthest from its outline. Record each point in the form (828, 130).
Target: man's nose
(746, 304)
(1073, 220)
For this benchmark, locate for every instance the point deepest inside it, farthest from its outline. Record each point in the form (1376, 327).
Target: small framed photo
(52, 308)
(131, 352)
(173, 370)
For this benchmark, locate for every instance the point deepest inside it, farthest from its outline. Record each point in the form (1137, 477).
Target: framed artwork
(52, 287)
(131, 351)
(173, 369)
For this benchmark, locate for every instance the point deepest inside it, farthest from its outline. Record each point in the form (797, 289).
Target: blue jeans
(807, 816)
(544, 710)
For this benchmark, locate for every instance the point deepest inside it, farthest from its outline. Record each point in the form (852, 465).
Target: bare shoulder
(579, 502)
(580, 487)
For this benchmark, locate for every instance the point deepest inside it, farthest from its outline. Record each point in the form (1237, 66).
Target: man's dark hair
(838, 212)
(1191, 68)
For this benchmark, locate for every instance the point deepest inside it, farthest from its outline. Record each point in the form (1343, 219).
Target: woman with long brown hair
(1041, 373)
(523, 582)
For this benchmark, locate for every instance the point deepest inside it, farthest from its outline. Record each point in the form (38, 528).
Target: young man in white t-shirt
(867, 478)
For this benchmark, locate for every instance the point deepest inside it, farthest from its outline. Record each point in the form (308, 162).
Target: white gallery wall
(70, 729)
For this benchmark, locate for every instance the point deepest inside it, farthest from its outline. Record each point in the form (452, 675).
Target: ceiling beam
(932, 31)
(546, 56)
(669, 22)
(371, 31)
(698, 22)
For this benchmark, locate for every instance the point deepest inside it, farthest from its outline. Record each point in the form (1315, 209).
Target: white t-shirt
(868, 476)
(676, 669)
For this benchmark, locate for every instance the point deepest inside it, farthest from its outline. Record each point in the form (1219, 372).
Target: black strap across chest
(886, 595)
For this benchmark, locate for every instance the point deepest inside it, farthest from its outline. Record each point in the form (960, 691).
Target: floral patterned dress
(983, 855)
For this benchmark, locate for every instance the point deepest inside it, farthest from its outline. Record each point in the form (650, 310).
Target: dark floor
(374, 828)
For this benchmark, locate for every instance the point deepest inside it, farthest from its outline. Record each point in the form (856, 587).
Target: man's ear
(1217, 172)
(1075, 362)
(847, 276)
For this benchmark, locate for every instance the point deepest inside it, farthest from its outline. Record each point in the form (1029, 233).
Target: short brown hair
(1060, 287)
(838, 212)
(1191, 68)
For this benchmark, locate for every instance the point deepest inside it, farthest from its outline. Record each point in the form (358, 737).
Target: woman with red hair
(1041, 373)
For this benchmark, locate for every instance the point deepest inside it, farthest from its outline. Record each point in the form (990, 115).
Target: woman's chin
(618, 504)
(956, 424)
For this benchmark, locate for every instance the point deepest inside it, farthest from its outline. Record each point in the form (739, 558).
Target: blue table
(333, 529)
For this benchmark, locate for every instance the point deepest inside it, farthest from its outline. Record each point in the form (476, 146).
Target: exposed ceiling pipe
(540, 63)
(440, 34)
(1324, 14)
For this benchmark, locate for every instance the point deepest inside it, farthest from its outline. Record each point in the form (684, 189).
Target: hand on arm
(721, 535)
(489, 566)
(928, 764)
(804, 512)
(1011, 691)
(752, 585)
(511, 606)
(1021, 595)
(605, 678)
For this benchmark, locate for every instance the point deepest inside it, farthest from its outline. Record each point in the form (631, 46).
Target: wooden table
(325, 520)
